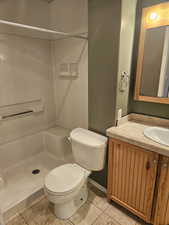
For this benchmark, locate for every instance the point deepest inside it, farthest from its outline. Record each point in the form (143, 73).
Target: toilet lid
(64, 178)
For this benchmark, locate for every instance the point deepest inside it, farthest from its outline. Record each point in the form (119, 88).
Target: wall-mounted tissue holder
(23, 109)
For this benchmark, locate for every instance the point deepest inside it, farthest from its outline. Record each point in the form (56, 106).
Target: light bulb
(153, 16)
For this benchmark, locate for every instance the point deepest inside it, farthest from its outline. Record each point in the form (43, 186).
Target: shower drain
(36, 171)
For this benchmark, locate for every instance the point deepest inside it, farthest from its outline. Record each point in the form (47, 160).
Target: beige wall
(125, 52)
(71, 94)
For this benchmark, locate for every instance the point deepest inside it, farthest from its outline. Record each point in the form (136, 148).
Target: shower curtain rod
(29, 27)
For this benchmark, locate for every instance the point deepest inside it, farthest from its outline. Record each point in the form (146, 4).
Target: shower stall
(43, 93)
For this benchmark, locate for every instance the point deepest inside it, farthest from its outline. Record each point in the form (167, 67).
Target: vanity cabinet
(138, 180)
(132, 177)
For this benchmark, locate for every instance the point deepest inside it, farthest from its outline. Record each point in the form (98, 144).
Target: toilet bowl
(66, 185)
(66, 188)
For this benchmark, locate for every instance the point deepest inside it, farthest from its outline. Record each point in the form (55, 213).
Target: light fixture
(154, 16)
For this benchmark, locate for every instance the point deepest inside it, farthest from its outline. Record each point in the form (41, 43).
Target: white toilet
(66, 185)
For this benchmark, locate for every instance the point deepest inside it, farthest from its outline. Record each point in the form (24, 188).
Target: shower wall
(71, 94)
(29, 70)
(25, 69)
(25, 75)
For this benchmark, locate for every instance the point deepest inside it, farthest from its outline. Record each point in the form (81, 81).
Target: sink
(158, 134)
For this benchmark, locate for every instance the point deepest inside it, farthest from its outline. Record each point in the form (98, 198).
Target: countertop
(131, 129)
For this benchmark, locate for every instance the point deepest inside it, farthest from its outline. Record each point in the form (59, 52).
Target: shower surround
(42, 152)
(29, 72)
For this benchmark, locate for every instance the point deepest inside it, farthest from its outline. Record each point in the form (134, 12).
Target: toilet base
(66, 210)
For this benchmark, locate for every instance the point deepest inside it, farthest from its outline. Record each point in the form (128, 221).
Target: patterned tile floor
(96, 211)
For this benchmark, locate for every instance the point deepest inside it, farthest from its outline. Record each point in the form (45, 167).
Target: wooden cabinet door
(132, 176)
(162, 204)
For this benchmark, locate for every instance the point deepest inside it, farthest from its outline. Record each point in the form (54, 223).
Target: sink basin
(158, 134)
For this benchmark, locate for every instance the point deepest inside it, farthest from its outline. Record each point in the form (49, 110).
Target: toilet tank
(89, 149)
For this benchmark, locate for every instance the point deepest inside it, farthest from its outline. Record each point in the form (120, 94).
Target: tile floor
(96, 211)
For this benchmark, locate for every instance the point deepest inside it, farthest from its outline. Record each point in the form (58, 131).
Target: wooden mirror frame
(162, 10)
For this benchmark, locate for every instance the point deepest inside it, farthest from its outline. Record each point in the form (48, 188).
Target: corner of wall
(125, 53)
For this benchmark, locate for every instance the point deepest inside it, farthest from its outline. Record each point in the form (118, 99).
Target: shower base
(22, 186)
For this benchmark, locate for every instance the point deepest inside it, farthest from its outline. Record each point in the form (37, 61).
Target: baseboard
(100, 187)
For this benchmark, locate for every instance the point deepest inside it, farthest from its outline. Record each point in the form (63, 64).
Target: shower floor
(20, 183)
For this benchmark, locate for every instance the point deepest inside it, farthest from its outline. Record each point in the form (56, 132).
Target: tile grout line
(104, 211)
(107, 216)
(97, 218)
(90, 202)
(70, 222)
(135, 222)
(110, 216)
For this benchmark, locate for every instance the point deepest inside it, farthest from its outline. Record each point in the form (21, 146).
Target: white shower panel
(18, 160)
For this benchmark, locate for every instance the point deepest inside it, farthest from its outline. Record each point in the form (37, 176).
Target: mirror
(152, 78)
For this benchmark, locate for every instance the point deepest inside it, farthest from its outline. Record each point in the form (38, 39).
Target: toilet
(66, 185)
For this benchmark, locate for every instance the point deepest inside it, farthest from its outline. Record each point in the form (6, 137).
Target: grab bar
(20, 110)
(16, 114)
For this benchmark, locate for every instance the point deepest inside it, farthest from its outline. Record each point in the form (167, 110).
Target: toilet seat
(65, 179)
